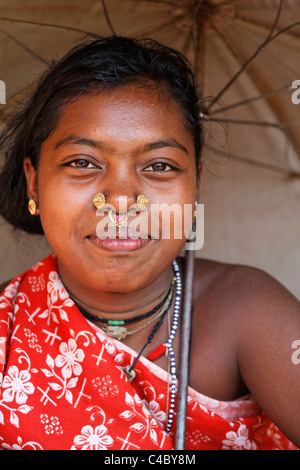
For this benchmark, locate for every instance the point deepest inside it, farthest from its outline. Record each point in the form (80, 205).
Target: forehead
(129, 111)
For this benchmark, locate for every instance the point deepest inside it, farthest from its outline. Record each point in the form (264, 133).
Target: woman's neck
(112, 304)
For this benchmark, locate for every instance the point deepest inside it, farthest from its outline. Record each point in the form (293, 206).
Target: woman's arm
(268, 331)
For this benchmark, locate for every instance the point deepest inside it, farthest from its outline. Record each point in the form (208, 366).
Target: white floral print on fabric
(69, 359)
(56, 294)
(239, 440)
(16, 386)
(20, 446)
(105, 386)
(93, 439)
(51, 424)
(63, 385)
(68, 363)
(37, 283)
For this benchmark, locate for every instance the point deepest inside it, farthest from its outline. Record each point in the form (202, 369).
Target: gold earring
(32, 207)
(142, 202)
(99, 200)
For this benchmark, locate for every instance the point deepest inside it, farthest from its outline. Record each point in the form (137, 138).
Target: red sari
(62, 385)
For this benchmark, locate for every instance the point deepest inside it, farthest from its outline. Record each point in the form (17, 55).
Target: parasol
(246, 55)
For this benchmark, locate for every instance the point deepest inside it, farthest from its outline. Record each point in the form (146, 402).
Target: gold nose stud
(99, 200)
(142, 202)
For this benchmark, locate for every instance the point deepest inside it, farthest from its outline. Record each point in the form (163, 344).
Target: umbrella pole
(184, 354)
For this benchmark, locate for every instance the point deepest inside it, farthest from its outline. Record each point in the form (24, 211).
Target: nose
(121, 189)
(121, 198)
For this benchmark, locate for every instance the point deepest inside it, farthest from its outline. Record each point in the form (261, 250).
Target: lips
(119, 245)
(123, 239)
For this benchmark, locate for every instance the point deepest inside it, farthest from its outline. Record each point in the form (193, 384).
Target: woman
(88, 335)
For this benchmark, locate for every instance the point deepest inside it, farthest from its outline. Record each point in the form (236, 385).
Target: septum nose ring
(120, 219)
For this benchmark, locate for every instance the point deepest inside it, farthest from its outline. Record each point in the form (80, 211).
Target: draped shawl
(62, 385)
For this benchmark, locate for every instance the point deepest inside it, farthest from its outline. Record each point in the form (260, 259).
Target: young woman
(89, 336)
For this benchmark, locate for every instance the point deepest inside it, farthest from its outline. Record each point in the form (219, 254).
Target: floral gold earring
(99, 200)
(32, 207)
(142, 202)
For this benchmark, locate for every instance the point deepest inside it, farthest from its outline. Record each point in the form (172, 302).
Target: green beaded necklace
(127, 321)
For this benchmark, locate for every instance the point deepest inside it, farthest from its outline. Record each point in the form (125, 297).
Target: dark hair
(99, 64)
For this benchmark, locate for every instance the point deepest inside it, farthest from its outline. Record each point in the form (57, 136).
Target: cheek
(60, 207)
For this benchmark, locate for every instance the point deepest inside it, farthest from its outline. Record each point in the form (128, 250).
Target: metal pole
(184, 354)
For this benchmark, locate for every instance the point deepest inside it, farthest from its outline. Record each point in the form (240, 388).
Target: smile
(119, 245)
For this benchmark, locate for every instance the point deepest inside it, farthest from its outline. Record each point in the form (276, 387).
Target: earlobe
(32, 191)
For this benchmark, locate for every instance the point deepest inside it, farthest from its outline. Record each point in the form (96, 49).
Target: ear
(31, 179)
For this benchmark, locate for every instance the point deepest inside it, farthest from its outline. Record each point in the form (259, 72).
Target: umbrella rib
(17, 97)
(108, 18)
(280, 126)
(194, 32)
(251, 100)
(249, 161)
(260, 83)
(48, 25)
(267, 41)
(196, 36)
(261, 24)
(23, 46)
(275, 23)
(286, 29)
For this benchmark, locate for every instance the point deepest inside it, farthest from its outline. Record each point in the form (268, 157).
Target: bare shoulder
(239, 287)
(252, 323)
(243, 300)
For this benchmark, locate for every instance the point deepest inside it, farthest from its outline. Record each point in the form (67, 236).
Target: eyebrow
(162, 143)
(79, 140)
(169, 142)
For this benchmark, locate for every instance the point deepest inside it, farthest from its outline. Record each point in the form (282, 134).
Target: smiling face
(124, 142)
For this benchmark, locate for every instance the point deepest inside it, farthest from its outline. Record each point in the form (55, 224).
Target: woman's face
(124, 142)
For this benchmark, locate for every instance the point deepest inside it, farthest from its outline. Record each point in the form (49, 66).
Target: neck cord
(129, 370)
(128, 320)
(120, 332)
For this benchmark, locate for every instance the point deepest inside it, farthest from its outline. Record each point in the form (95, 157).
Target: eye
(82, 163)
(159, 167)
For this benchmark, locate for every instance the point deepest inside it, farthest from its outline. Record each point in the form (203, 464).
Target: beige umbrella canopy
(246, 55)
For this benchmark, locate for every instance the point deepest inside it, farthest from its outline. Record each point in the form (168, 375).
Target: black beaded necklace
(127, 321)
